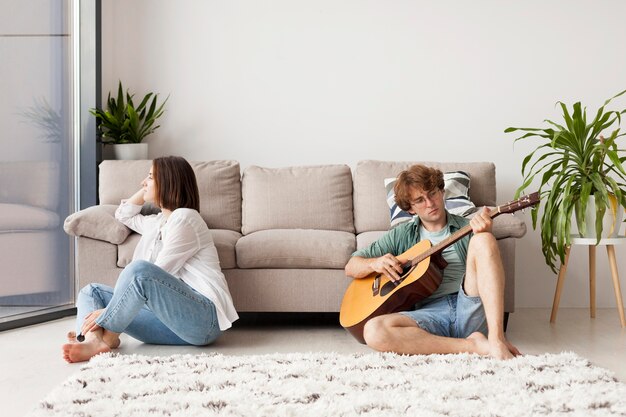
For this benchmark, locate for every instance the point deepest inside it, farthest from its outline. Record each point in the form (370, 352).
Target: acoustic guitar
(375, 294)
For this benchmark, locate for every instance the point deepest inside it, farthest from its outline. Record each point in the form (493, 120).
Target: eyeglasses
(421, 200)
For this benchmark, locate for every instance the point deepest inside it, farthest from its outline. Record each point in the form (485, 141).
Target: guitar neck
(462, 232)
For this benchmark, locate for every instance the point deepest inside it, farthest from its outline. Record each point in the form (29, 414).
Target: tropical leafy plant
(573, 161)
(122, 122)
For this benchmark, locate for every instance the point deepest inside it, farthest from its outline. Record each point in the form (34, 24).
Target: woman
(173, 292)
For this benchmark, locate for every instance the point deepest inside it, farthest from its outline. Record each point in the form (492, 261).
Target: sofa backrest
(219, 183)
(371, 211)
(308, 197)
(32, 183)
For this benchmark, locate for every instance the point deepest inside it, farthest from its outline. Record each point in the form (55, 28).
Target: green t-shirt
(406, 235)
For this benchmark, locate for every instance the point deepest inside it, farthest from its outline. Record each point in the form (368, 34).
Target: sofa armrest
(97, 222)
(508, 225)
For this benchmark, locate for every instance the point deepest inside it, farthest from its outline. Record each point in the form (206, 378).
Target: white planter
(611, 223)
(125, 151)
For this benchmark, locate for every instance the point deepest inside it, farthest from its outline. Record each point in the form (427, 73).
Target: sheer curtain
(36, 156)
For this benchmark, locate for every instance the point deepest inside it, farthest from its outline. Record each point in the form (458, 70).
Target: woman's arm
(137, 198)
(128, 212)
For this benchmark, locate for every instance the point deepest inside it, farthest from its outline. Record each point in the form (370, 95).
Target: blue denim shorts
(454, 315)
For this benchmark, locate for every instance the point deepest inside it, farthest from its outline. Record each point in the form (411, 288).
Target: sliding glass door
(36, 156)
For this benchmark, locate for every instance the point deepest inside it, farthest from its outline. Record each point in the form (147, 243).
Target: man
(470, 299)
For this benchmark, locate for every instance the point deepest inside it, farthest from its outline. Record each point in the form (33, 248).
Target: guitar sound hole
(389, 286)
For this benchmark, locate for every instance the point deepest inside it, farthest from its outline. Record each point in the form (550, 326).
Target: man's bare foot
(498, 349)
(80, 352)
(515, 351)
(481, 344)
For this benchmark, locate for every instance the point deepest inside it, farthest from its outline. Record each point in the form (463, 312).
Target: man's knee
(483, 242)
(376, 334)
(378, 331)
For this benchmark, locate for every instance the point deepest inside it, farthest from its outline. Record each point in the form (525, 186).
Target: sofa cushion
(22, 218)
(363, 240)
(295, 248)
(126, 249)
(219, 183)
(311, 197)
(97, 222)
(371, 212)
(224, 243)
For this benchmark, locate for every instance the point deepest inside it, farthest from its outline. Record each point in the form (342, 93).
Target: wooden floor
(31, 364)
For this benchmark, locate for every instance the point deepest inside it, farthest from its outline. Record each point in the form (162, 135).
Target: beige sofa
(283, 235)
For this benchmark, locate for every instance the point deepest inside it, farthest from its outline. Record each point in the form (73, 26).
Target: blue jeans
(453, 315)
(152, 306)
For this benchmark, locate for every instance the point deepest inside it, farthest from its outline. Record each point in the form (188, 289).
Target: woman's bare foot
(111, 339)
(80, 352)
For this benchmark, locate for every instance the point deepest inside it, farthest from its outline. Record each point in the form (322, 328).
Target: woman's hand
(137, 198)
(89, 325)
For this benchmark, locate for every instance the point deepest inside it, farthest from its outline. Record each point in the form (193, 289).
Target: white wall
(288, 82)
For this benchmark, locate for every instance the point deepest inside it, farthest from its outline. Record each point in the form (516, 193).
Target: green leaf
(571, 164)
(122, 122)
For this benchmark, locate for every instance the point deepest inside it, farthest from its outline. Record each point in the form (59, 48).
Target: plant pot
(611, 223)
(125, 151)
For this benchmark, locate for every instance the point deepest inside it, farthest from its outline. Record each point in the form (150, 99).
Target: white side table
(610, 244)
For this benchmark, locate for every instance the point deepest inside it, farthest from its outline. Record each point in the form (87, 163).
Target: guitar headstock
(519, 204)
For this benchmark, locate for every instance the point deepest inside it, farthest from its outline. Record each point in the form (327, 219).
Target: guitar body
(375, 295)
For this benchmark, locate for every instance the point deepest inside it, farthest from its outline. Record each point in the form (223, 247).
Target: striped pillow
(456, 197)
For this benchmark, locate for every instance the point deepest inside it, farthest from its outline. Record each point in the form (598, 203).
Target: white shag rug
(327, 384)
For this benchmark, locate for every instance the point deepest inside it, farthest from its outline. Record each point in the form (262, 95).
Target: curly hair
(417, 176)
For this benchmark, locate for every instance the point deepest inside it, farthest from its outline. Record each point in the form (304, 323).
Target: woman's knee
(138, 266)
(135, 271)
(88, 291)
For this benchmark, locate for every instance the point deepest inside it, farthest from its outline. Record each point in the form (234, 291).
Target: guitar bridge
(376, 285)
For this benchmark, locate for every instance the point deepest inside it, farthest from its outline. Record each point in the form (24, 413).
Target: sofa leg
(506, 320)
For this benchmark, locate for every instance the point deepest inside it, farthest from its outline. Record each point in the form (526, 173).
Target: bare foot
(111, 339)
(498, 349)
(481, 344)
(515, 351)
(80, 352)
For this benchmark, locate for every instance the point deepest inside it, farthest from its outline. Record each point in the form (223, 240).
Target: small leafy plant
(574, 162)
(122, 122)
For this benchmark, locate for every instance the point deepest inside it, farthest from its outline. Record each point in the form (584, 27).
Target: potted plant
(125, 126)
(576, 166)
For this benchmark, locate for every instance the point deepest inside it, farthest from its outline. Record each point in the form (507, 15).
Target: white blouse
(182, 246)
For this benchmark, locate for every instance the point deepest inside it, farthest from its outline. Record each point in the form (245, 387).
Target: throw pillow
(97, 222)
(456, 196)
